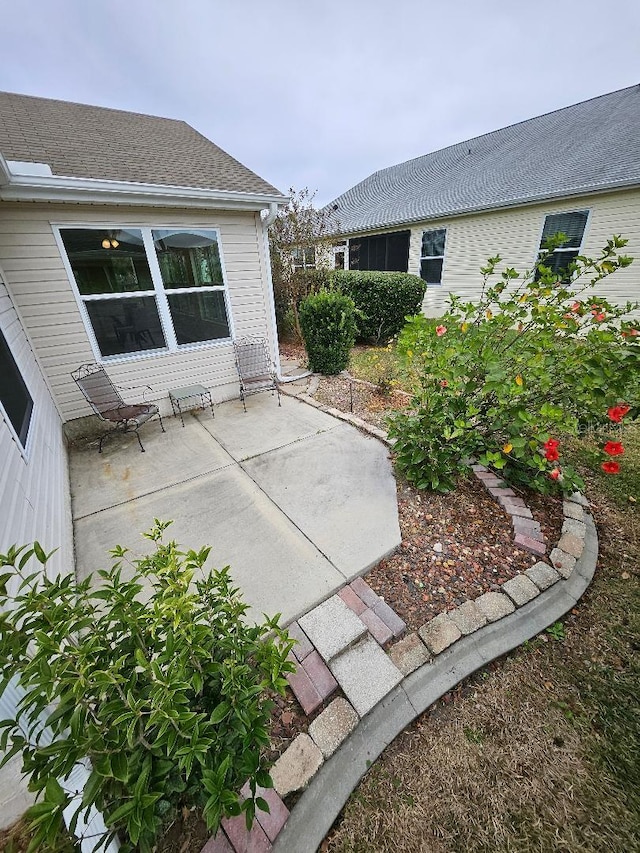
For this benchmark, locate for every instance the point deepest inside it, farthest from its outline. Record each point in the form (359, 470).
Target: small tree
(299, 242)
(537, 357)
(164, 693)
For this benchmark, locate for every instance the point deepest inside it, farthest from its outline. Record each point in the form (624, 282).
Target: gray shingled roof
(590, 146)
(81, 141)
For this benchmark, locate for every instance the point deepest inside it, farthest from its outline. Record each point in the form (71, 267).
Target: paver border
(329, 790)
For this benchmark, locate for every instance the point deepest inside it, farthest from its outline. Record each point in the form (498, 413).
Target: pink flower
(440, 330)
(598, 318)
(443, 383)
(554, 474)
(576, 307)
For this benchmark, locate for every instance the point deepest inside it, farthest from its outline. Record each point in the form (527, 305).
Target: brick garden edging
(340, 645)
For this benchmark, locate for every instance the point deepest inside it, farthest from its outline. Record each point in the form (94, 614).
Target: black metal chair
(105, 400)
(256, 370)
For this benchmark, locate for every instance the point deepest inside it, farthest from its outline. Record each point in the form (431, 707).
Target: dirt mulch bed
(360, 399)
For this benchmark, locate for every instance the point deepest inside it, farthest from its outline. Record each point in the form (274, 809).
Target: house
(440, 216)
(126, 239)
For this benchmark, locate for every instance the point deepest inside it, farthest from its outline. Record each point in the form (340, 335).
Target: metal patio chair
(256, 370)
(105, 400)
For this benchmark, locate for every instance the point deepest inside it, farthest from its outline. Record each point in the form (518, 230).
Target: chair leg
(139, 442)
(242, 398)
(161, 424)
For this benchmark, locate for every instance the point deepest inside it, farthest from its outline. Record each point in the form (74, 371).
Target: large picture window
(385, 252)
(432, 255)
(572, 224)
(148, 289)
(14, 394)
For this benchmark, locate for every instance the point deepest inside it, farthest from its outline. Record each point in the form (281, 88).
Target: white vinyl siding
(515, 236)
(34, 501)
(41, 287)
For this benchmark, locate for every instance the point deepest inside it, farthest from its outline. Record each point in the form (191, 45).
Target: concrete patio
(295, 501)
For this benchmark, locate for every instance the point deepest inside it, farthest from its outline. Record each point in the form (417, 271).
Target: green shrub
(165, 694)
(383, 299)
(328, 322)
(504, 379)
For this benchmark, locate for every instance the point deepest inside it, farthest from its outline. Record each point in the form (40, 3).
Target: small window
(432, 255)
(14, 394)
(304, 258)
(573, 225)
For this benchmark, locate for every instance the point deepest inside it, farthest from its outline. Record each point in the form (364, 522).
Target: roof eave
(98, 191)
(575, 192)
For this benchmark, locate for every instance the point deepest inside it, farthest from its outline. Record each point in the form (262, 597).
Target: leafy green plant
(535, 358)
(557, 631)
(158, 678)
(383, 299)
(328, 322)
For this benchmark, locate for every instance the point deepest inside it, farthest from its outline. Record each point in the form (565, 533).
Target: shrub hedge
(382, 299)
(328, 323)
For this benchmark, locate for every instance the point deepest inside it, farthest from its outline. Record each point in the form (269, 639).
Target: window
(14, 394)
(432, 255)
(386, 252)
(573, 225)
(304, 259)
(148, 289)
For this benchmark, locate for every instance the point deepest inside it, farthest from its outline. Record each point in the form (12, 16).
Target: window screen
(14, 394)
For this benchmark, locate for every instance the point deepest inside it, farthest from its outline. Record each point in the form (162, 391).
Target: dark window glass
(125, 325)
(385, 252)
(433, 243)
(558, 263)
(199, 316)
(14, 395)
(571, 224)
(188, 258)
(431, 270)
(107, 261)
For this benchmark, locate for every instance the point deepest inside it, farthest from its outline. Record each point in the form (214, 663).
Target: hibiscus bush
(154, 674)
(541, 355)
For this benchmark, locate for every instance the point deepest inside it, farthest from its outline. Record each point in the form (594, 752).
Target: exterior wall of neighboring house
(34, 499)
(515, 235)
(38, 278)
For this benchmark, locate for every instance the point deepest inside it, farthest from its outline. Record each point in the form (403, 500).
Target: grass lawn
(539, 751)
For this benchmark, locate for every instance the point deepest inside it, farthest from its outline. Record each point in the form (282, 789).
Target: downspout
(266, 222)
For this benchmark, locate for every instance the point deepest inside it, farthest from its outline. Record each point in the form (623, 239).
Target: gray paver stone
(439, 633)
(571, 544)
(468, 617)
(563, 563)
(520, 589)
(543, 575)
(573, 510)
(409, 653)
(296, 766)
(332, 627)
(578, 498)
(495, 605)
(332, 726)
(365, 674)
(575, 527)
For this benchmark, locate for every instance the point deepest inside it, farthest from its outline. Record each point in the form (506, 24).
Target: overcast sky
(321, 93)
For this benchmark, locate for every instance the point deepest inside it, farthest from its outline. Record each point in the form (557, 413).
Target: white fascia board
(95, 191)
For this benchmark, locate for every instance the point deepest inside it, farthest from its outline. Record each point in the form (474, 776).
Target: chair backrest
(252, 358)
(97, 388)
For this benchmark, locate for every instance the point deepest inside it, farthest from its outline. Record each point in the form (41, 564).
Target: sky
(321, 93)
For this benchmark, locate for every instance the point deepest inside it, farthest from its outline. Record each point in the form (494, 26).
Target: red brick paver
(246, 841)
(218, 844)
(303, 646)
(530, 544)
(364, 592)
(320, 675)
(380, 631)
(352, 600)
(304, 690)
(390, 618)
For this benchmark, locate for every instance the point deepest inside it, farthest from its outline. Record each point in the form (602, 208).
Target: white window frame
(24, 449)
(558, 213)
(304, 265)
(433, 257)
(159, 292)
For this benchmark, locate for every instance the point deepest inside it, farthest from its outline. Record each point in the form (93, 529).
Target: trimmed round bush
(383, 300)
(328, 324)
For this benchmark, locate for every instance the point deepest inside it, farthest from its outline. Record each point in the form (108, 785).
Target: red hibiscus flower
(610, 467)
(552, 454)
(443, 383)
(554, 474)
(576, 307)
(598, 317)
(613, 448)
(616, 413)
(551, 444)
(440, 330)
